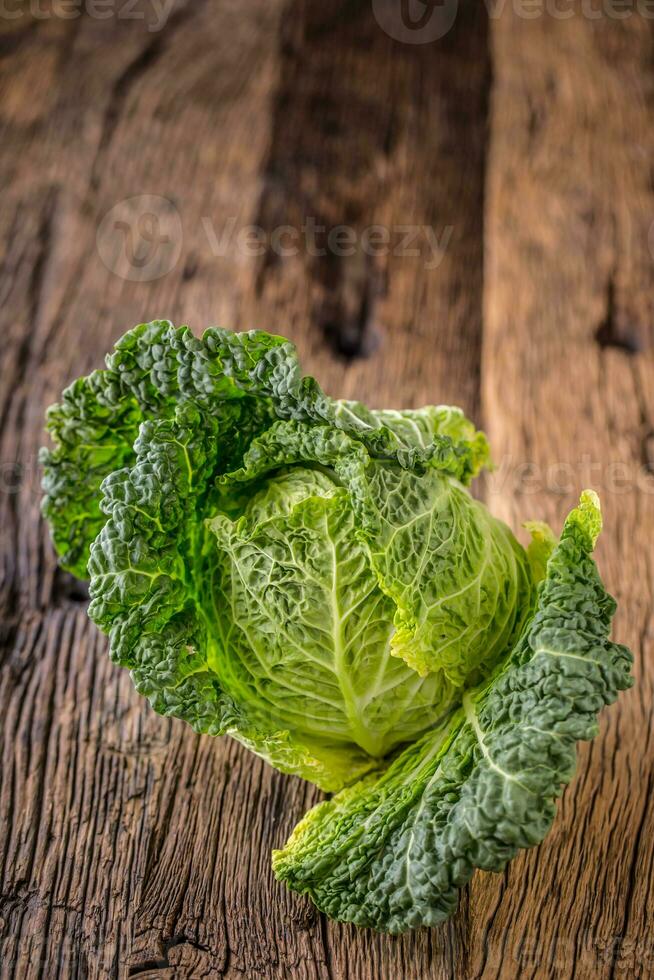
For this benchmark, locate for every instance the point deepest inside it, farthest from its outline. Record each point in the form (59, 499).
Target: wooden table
(130, 846)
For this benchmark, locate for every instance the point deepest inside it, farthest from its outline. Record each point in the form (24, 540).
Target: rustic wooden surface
(129, 846)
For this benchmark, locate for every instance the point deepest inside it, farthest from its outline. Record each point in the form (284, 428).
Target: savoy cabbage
(313, 578)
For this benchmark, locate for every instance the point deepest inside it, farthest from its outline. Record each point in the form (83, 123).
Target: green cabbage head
(313, 578)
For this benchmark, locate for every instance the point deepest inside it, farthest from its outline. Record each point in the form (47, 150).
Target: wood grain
(567, 364)
(128, 845)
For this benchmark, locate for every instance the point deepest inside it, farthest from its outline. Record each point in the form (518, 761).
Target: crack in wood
(614, 331)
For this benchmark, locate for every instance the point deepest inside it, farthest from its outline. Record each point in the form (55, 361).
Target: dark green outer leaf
(392, 851)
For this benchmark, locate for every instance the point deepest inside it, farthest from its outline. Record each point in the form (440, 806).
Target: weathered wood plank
(567, 387)
(369, 132)
(129, 845)
(122, 848)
